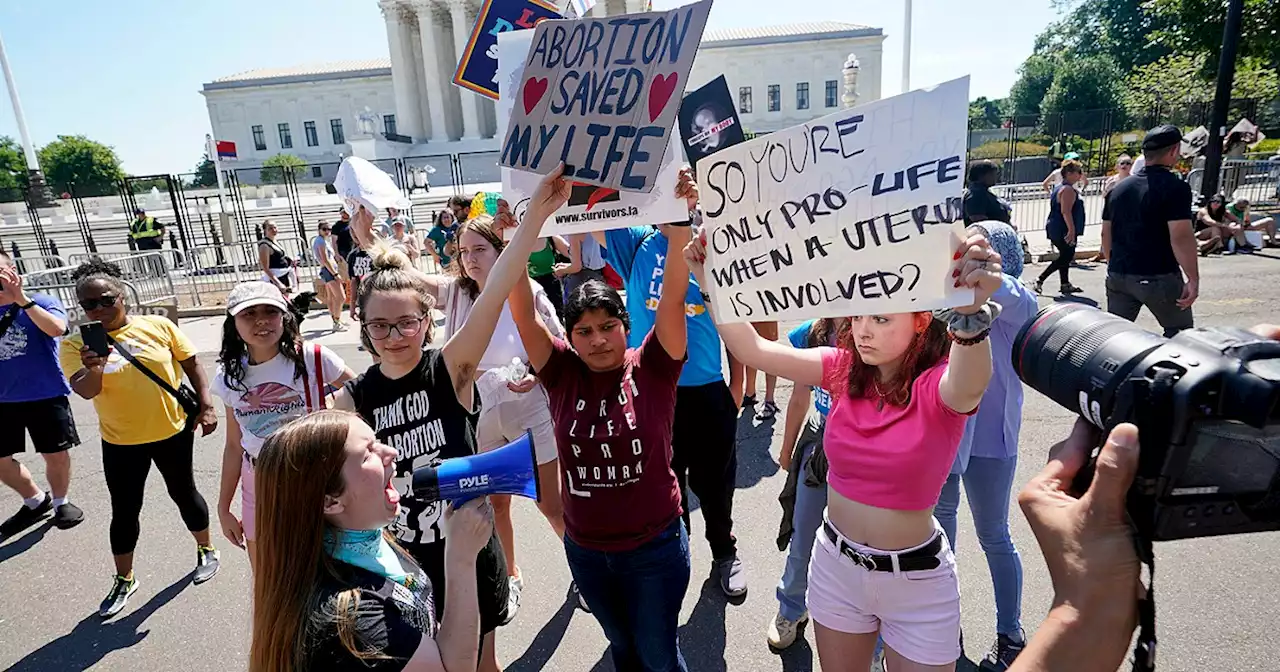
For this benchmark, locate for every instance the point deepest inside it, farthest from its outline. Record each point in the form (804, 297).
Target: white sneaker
(782, 632)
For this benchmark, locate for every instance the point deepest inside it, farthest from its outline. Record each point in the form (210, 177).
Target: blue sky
(128, 72)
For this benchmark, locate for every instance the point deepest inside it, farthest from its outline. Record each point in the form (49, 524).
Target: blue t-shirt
(29, 369)
(639, 254)
(799, 338)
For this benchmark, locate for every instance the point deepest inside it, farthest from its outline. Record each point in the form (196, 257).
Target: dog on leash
(300, 305)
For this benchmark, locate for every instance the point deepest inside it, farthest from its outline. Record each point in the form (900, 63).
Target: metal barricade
(173, 259)
(1258, 181)
(213, 270)
(150, 273)
(30, 263)
(1031, 204)
(65, 293)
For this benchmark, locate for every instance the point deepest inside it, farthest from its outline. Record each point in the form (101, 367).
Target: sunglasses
(104, 301)
(325, 230)
(1126, 163)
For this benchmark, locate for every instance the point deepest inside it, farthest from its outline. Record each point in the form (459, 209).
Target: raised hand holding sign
(601, 96)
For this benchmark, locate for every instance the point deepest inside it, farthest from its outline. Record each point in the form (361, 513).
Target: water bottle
(516, 371)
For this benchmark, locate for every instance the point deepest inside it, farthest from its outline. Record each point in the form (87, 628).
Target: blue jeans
(988, 483)
(636, 597)
(807, 518)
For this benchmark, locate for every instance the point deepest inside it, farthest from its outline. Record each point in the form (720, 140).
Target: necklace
(875, 386)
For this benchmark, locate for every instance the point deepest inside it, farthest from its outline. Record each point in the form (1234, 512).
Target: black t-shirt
(418, 415)
(343, 239)
(980, 204)
(359, 264)
(391, 619)
(1140, 208)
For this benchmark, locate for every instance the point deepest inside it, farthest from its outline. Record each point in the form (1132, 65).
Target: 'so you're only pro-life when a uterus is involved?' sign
(602, 94)
(856, 213)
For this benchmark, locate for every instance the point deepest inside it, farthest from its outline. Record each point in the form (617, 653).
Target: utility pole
(1222, 97)
(906, 47)
(38, 194)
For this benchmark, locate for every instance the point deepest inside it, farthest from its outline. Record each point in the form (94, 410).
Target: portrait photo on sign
(709, 120)
(590, 207)
(856, 213)
(601, 96)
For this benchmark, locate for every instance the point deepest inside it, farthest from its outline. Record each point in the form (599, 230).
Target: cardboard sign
(709, 120)
(601, 95)
(856, 213)
(478, 68)
(590, 208)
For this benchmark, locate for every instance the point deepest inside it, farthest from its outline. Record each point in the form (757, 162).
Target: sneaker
(67, 516)
(767, 410)
(1038, 287)
(206, 564)
(582, 601)
(121, 589)
(514, 588)
(782, 631)
(733, 579)
(1002, 655)
(25, 517)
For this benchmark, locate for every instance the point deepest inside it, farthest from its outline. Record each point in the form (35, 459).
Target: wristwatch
(32, 304)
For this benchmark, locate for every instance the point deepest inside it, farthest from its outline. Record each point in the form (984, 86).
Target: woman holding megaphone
(331, 591)
(422, 400)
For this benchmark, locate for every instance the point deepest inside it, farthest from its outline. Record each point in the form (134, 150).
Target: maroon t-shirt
(613, 432)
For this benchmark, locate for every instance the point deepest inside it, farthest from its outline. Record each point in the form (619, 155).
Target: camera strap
(1144, 650)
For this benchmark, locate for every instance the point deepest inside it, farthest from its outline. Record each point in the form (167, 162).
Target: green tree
(1180, 79)
(1084, 84)
(984, 113)
(1195, 27)
(13, 169)
(74, 159)
(1035, 76)
(273, 168)
(205, 173)
(1118, 29)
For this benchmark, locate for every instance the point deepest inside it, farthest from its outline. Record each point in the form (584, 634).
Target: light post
(851, 68)
(38, 193)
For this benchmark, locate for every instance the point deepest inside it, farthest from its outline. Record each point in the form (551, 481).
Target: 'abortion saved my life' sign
(856, 213)
(601, 95)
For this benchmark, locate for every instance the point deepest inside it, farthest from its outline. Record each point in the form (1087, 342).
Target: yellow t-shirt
(132, 409)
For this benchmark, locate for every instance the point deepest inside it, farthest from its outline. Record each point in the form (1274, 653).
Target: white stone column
(408, 121)
(436, 88)
(599, 10)
(461, 33)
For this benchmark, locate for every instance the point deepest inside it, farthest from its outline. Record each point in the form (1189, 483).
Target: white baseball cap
(254, 293)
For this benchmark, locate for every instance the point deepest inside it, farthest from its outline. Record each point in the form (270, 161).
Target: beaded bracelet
(961, 340)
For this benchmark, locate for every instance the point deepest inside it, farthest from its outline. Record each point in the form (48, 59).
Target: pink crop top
(895, 458)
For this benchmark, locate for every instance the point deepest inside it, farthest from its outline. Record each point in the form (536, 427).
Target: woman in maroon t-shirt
(613, 409)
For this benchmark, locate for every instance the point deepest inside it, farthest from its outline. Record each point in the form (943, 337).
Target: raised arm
(804, 367)
(464, 350)
(53, 324)
(535, 335)
(969, 366)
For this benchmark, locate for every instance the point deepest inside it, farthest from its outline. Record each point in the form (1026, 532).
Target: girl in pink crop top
(901, 386)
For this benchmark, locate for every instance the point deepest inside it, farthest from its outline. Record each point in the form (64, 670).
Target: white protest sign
(601, 95)
(590, 208)
(856, 213)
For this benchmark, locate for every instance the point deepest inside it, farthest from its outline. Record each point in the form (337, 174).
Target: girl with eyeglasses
(141, 423)
(421, 400)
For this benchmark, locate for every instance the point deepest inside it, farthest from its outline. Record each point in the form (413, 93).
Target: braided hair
(97, 269)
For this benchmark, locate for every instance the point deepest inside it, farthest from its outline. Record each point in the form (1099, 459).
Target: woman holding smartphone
(141, 423)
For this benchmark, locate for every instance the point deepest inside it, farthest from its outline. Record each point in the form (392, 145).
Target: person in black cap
(1149, 241)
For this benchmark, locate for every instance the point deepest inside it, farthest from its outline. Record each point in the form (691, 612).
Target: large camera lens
(1078, 355)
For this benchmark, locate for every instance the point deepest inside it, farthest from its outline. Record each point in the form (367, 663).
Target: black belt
(916, 560)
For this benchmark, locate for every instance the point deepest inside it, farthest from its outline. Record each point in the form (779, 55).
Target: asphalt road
(1217, 598)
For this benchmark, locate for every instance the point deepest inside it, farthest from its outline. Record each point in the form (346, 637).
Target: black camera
(1204, 402)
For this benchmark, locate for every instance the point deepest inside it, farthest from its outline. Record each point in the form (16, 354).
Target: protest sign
(590, 208)
(856, 213)
(478, 68)
(601, 95)
(709, 120)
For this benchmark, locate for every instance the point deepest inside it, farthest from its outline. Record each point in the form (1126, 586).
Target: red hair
(928, 347)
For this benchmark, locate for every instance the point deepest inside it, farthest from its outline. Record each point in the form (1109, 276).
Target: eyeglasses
(104, 301)
(409, 326)
(325, 230)
(1126, 163)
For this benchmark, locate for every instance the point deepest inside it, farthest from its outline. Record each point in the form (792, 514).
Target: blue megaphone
(509, 470)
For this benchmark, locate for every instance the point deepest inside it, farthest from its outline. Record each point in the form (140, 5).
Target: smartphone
(95, 337)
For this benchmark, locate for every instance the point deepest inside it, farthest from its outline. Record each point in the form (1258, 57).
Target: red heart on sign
(660, 92)
(534, 89)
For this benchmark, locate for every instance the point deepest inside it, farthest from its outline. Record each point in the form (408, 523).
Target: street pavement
(1217, 598)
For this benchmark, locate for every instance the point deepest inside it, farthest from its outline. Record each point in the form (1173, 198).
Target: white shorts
(507, 420)
(917, 613)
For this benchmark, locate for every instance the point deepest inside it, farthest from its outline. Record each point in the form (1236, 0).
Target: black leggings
(1066, 255)
(126, 469)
